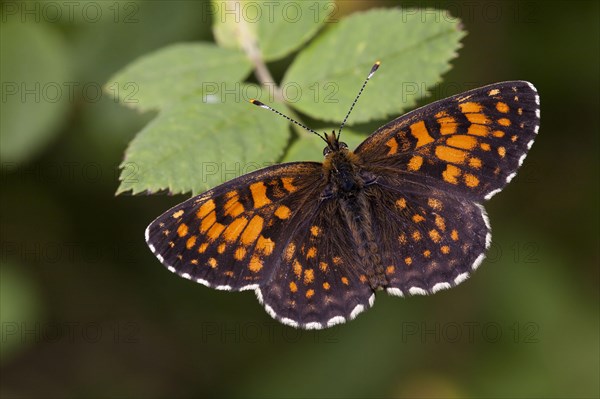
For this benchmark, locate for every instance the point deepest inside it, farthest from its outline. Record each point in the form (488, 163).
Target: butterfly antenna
(259, 104)
(373, 69)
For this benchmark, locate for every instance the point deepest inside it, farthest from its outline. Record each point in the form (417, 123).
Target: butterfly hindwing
(434, 240)
(471, 143)
(320, 281)
(229, 237)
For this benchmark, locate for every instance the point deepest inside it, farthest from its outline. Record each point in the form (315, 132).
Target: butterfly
(402, 213)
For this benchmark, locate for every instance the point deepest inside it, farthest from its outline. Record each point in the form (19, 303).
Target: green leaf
(227, 19)
(414, 47)
(174, 72)
(309, 147)
(278, 27)
(195, 145)
(36, 88)
(284, 26)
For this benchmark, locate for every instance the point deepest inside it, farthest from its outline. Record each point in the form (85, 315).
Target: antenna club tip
(373, 69)
(256, 102)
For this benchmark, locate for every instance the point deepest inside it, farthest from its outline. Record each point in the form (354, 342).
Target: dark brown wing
(231, 237)
(470, 144)
(433, 240)
(268, 231)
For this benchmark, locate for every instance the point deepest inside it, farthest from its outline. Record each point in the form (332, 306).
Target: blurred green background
(87, 311)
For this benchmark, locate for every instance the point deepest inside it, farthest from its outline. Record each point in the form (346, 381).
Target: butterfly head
(333, 145)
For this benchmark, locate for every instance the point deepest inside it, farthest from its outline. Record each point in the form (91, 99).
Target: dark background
(87, 311)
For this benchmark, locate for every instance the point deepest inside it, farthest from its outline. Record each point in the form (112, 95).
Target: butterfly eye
(343, 145)
(326, 151)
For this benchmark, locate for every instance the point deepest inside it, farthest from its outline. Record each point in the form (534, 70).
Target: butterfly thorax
(346, 184)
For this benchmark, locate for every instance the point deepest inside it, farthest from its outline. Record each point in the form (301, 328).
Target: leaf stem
(250, 47)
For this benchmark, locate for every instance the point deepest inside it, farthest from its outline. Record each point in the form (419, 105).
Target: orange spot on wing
(182, 230)
(311, 253)
(255, 264)
(337, 260)
(471, 180)
(434, 235)
(408, 261)
(202, 247)
(315, 230)
(416, 235)
(402, 238)
(435, 203)
(493, 92)
(297, 268)
(283, 212)
(323, 266)
(205, 209)
(390, 270)
(221, 248)
(393, 144)
(451, 174)
(502, 107)
(418, 218)
(502, 152)
(485, 146)
(479, 119)
(478, 130)
(289, 251)
(401, 203)
(265, 245)
(190, 242)
(470, 107)
(309, 276)
(212, 262)
(310, 293)
(462, 141)
(454, 235)
(450, 154)
(419, 131)
(233, 207)
(252, 230)
(427, 253)
(215, 231)
(475, 162)
(326, 285)
(208, 221)
(447, 123)
(293, 287)
(345, 281)
(239, 253)
(259, 194)
(287, 184)
(504, 121)
(415, 163)
(445, 249)
(440, 222)
(235, 228)
(177, 214)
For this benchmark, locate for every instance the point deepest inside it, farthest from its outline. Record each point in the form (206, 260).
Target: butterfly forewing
(471, 143)
(230, 237)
